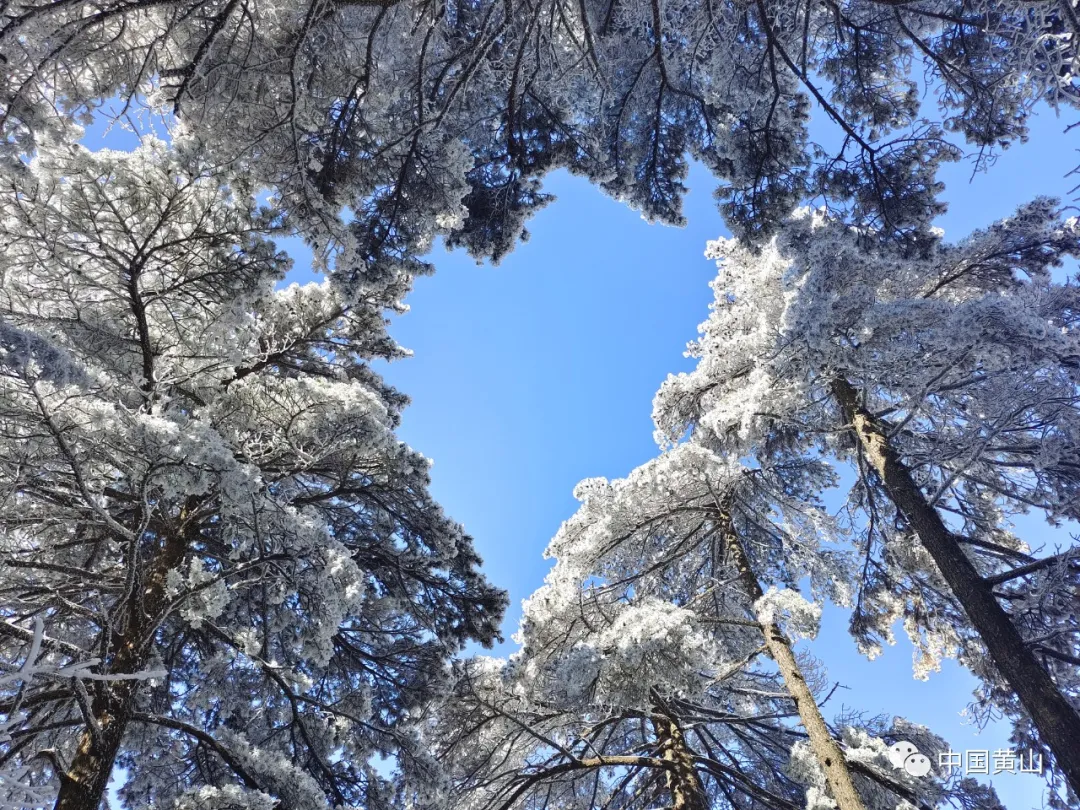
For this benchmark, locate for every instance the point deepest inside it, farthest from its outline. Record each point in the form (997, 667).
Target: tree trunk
(825, 748)
(683, 782)
(84, 784)
(1057, 722)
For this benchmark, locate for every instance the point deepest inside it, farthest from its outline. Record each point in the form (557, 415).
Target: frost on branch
(647, 643)
(443, 120)
(201, 477)
(678, 490)
(25, 781)
(644, 648)
(801, 619)
(967, 357)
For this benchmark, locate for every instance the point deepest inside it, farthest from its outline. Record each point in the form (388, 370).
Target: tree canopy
(222, 570)
(642, 678)
(426, 118)
(201, 479)
(947, 379)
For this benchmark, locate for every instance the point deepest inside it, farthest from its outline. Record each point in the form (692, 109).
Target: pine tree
(947, 376)
(641, 681)
(431, 118)
(21, 786)
(200, 478)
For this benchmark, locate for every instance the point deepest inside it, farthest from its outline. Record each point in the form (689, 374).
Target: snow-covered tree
(947, 376)
(22, 785)
(199, 476)
(641, 681)
(427, 118)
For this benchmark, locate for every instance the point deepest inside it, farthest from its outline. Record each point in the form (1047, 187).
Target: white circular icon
(899, 752)
(906, 757)
(917, 765)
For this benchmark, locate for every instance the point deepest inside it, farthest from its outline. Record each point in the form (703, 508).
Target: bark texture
(826, 750)
(84, 784)
(682, 780)
(1057, 722)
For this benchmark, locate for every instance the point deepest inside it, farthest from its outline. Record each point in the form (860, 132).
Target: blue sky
(530, 376)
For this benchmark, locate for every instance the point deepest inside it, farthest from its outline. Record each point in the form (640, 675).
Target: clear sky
(530, 376)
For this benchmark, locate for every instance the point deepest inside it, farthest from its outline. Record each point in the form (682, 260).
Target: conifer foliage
(434, 118)
(201, 480)
(643, 679)
(944, 377)
(947, 376)
(223, 574)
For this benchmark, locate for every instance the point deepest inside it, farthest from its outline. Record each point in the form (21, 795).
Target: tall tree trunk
(1057, 722)
(84, 784)
(683, 782)
(825, 748)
